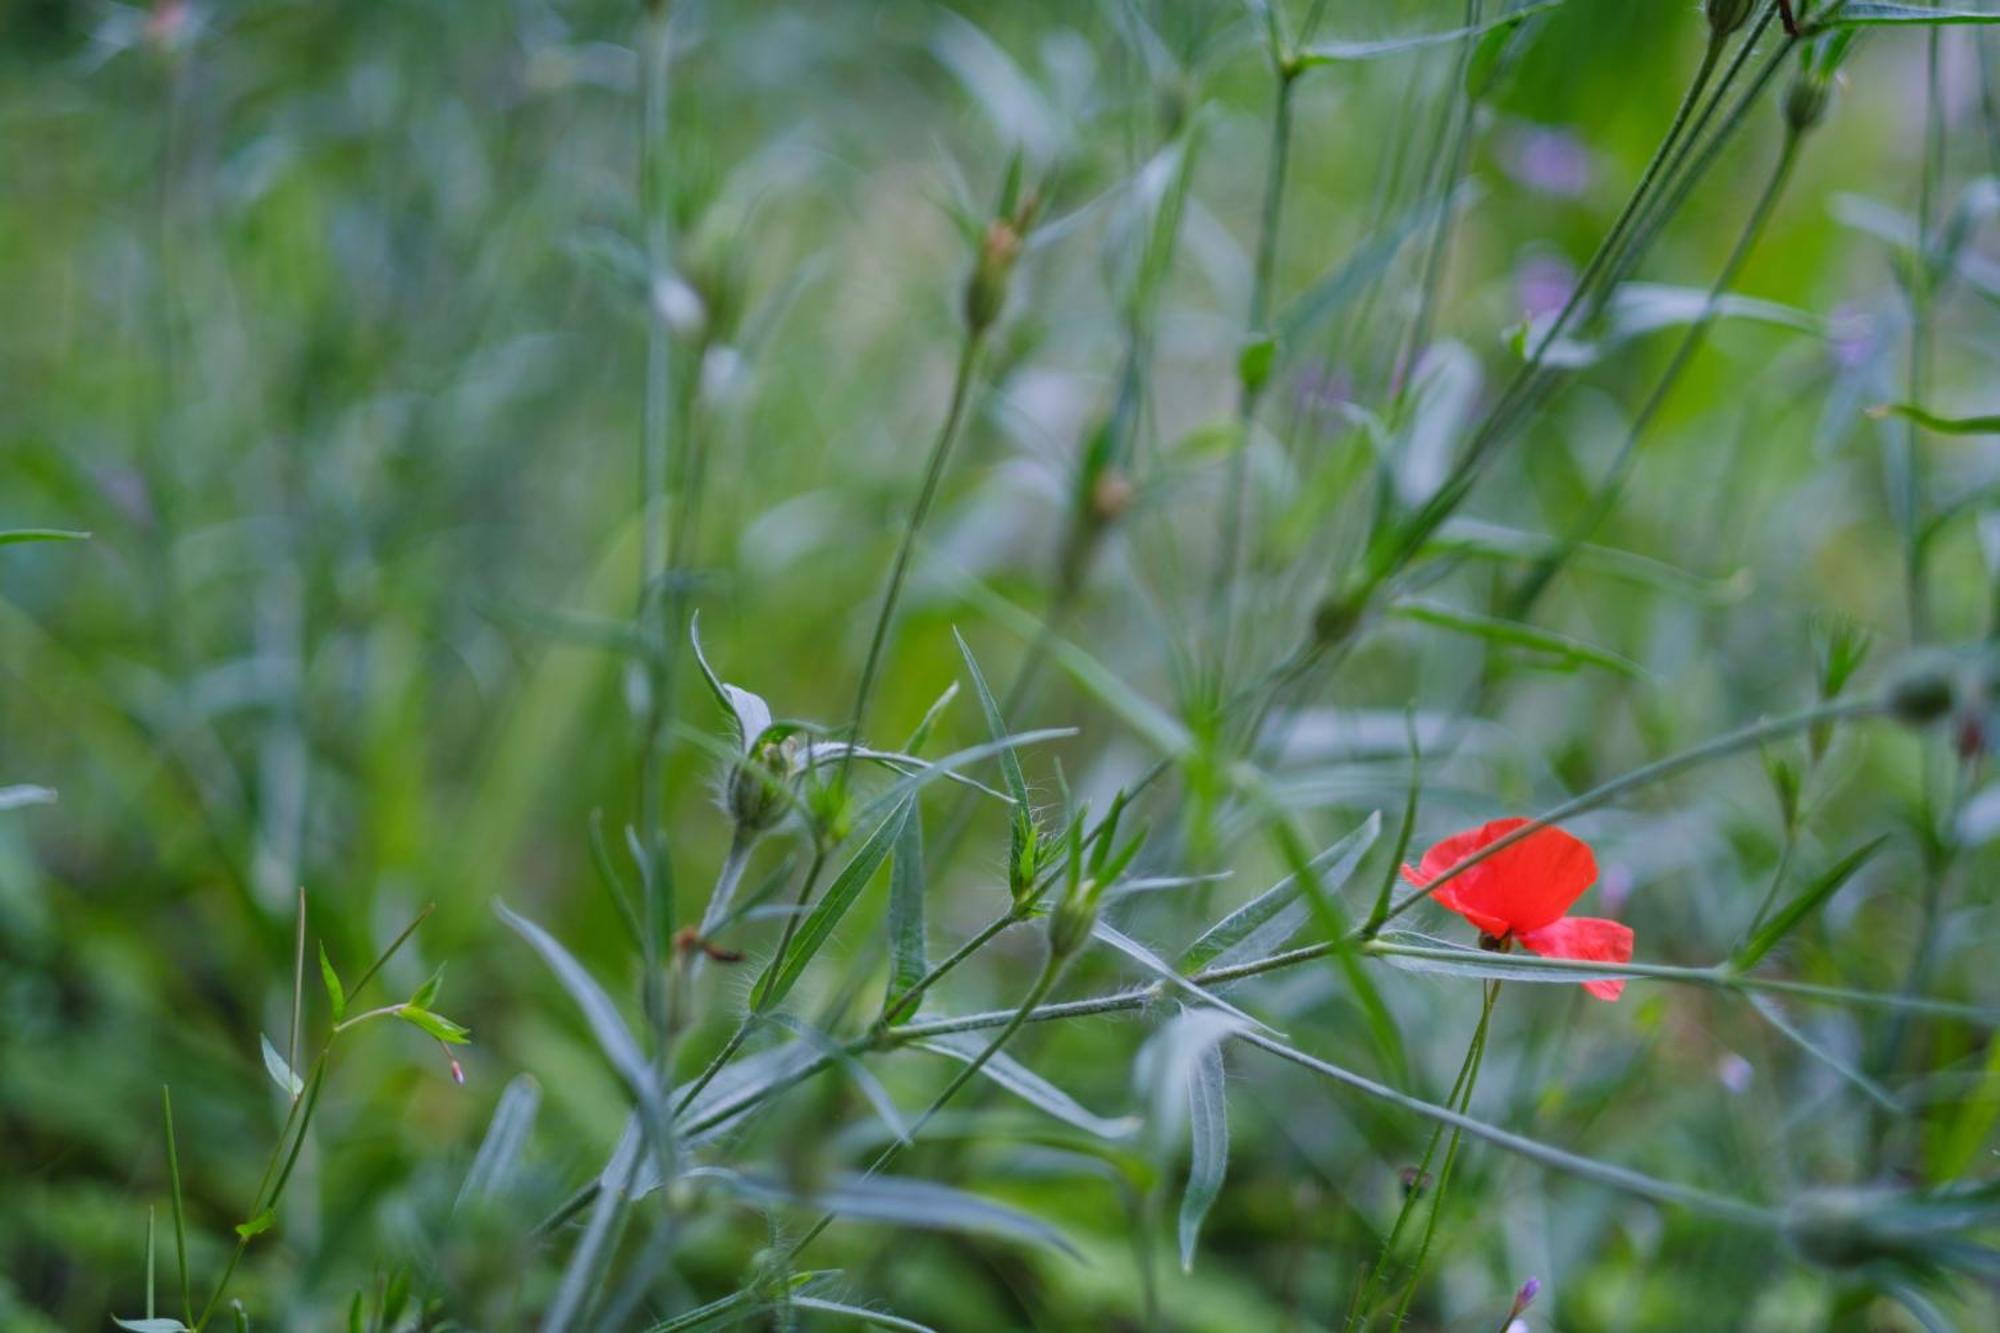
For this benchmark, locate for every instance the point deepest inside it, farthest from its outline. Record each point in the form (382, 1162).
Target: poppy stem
(1459, 1099)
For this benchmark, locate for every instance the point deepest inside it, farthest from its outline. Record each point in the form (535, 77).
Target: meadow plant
(997, 659)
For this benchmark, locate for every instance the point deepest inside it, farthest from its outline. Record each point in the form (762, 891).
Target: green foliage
(1315, 416)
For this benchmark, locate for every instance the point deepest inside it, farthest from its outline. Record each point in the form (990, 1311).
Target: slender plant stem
(948, 432)
(1612, 485)
(1475, 1054)
(1052, 969)
(907, 1002)
(1431, 283)
(1236, 499)
(1363, 1303)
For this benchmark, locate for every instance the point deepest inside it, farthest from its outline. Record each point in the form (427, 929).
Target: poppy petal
(1590, 939)
(1525, 887)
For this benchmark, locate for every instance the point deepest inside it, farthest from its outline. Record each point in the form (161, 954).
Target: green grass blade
(832, 906)
(1807, 901)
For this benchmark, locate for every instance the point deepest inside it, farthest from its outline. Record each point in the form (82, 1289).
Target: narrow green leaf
(436, 1024)
(1264, 924)
(1734, 1211)
(1326, 53)
(737, 1305)
(896, 1200)
(1161, 968)
(1021, 826)
(1564, 650)
(1769, 1011)
(179, 1202)
(613, 1037)
(857, 1073)
(427, 993)
(494, 1165)
(257, 1225)
(832, 906)
(861, 1314)
(280, 1072)
(1808, 899)
(1983, 425)
(151, 1325)
(1871, 13)
(19, 536)
(335, 996)
(1025, 1083)
(908, 961)
(1434, 956)
(1208, 1148)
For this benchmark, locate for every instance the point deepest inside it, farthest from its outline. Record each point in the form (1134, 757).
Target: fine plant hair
(950, 852)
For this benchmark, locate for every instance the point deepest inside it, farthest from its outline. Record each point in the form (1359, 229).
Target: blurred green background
(328, 323)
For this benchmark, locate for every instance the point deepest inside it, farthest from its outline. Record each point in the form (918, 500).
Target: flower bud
(1806, 102)
(757, 784)
(1726, 16)
(986, 291)
(1073, 920)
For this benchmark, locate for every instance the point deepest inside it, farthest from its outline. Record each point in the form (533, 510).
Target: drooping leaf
(908, 960)
(1208, 1147)
(860, 1314)
(832, 906)
(1263, 925)
(857, 1073)
(1021, 825)
(151, 1325)
(499, 1155)
(1109, 934)
(1025, 1083)
(280, 1072)
(750, 714)
(614, 1038)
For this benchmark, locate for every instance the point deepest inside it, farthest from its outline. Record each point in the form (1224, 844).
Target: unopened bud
(986, 291)
(1073, 920)
(1806, 102)
(1526, 1295)
(1726, 16)
(757, 785)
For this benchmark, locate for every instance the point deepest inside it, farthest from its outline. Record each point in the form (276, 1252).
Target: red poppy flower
(1522, 892)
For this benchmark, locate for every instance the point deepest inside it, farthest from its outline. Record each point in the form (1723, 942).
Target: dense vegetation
(676, 664)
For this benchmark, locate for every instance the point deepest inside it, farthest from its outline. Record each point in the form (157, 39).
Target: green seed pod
(1806, 102)
(1073, 920)
(1726, 16)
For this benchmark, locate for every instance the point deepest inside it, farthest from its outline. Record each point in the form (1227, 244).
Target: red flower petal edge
(1590, 939)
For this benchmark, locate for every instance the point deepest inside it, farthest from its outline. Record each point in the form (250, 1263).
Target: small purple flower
(1542, 284)
(1734, 1073)
(1549, 161)
(1323, 388)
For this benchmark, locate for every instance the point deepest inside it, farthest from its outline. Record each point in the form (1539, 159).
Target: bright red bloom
(1522, 891)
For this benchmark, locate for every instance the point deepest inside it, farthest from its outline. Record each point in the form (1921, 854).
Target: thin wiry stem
(1432, 281)
(1613, 483)
(1236, 499)
(948, 432)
